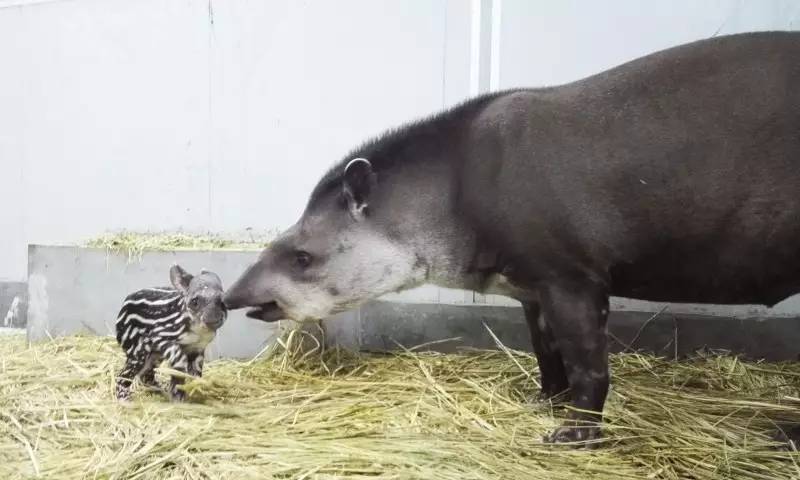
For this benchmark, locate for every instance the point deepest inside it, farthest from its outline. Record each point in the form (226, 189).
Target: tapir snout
(252, 290)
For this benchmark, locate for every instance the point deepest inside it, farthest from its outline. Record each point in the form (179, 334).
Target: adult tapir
(674, 177)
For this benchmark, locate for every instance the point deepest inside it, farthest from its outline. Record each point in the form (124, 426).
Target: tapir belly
(731, 272)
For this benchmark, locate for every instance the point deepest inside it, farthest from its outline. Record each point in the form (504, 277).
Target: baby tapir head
(202, 295)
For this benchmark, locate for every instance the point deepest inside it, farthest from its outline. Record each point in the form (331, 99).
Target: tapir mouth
(266, 312)
(214, 324)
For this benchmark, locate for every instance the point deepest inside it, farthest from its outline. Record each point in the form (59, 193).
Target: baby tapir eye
(194, 303)
(302, 259)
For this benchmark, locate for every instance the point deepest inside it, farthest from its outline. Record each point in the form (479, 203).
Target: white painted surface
(548, 43)
(38, 302)
(199, 115)
(221, 115)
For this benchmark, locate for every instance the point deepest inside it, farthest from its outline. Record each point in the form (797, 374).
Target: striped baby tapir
(172, 324)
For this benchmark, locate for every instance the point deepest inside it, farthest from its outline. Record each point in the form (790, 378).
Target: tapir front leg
(178, 360)
(551, 367)
(196, 361)
(577, 315)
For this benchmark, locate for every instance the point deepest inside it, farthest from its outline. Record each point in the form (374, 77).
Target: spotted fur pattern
(154, 325)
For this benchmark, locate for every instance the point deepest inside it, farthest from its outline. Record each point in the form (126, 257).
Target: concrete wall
(382, 326)
(202, 115)
(76, 290)
(221, 115)
(543, 42)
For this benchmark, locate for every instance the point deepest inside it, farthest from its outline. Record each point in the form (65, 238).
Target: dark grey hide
(170, 323)
(674, 177)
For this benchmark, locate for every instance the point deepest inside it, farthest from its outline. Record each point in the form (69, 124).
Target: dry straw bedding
(336, 414)
(135, 244)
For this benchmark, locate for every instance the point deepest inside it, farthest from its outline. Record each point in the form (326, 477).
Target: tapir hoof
(788, 436)
(553, 395)
(586, 435)
(177, 395)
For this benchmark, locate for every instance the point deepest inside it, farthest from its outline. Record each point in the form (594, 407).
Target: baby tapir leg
(177, 360)
(148, 373)
(148, 377)
(551, 367)
(196, 361)
(132, 368)
(577, 315)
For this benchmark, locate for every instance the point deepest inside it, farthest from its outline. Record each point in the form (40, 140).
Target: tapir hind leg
(551, 367)
(577, 314)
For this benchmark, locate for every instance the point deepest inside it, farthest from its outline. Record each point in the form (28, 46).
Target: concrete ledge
(74, 290)
(385, 326)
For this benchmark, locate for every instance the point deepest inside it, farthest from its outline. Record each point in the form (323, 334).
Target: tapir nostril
(236, 298)
(231, 302)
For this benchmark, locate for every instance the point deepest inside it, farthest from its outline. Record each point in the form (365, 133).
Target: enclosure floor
(12, 331)
(411, 415)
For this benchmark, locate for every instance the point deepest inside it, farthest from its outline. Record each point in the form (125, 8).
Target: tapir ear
(180, 278)
(359, 181)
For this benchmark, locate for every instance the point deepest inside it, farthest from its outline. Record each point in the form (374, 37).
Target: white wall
(544, 42)
(296, 85)
(222, 114)
(201, 115)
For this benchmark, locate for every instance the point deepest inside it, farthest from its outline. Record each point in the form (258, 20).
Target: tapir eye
(194, 303)
(302, 259)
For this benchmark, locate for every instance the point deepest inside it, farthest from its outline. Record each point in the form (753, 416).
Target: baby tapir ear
(180, 278)
(359, 181)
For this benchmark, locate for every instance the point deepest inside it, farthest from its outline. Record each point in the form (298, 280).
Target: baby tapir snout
(203, 296)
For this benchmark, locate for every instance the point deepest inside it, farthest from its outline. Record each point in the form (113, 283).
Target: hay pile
(411, 415)
(134, 244)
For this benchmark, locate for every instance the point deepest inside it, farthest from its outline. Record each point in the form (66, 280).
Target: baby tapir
(169, 323)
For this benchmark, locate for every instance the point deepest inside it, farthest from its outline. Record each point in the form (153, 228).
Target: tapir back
(672, 177)
(146, 310)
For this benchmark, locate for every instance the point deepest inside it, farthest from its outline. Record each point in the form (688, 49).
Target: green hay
(335, 414)
(135, 244)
